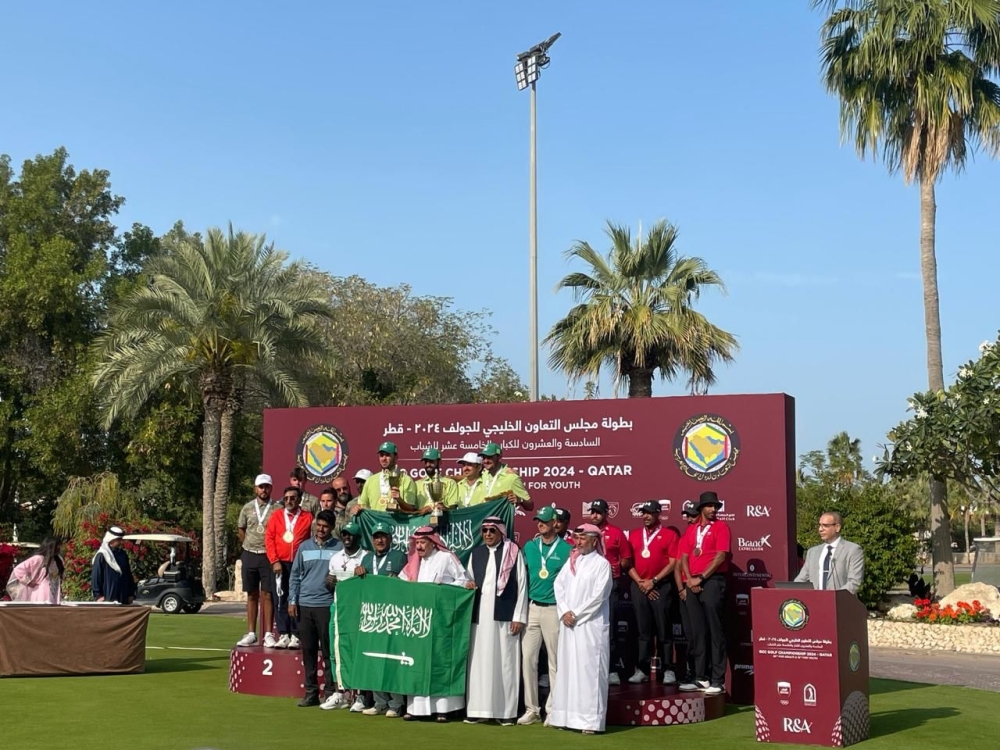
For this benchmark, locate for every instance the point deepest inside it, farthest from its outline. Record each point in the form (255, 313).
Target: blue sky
(388, 139)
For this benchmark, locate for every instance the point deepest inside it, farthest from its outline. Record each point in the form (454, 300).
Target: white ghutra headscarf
(105, 549)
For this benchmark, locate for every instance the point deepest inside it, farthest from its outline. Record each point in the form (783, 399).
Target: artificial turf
(182, 702)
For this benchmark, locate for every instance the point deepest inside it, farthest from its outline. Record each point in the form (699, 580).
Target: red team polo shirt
(662, 549)
(716, 539)
(616, 548)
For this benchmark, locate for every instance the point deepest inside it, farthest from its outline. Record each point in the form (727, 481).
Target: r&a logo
(797, 726)
(758, 511)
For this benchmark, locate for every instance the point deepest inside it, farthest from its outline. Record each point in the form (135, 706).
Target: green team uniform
(505, 480)
(389, 564)
(471, 495)
(555, 556)
(373, 499)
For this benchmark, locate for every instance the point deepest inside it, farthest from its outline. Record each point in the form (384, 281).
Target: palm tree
(637, 316)
(845, 459)
(913, 78)
(224, 318)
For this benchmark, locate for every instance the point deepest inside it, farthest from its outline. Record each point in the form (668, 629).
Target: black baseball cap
(600, 506)
(651, 507)
(562, 515)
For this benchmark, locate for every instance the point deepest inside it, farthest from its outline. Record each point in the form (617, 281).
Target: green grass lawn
(183, 702)
(962, 577)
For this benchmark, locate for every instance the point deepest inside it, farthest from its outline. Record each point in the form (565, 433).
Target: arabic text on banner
(402, 637)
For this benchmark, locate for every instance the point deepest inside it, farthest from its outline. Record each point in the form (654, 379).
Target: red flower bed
(961, 613)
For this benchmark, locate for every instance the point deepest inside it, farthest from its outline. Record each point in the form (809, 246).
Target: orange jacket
(277, 548)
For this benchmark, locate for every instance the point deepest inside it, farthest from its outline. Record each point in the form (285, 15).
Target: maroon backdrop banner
(626, 451)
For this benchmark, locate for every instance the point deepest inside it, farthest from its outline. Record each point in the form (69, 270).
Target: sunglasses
(490, 530)
(291, 497)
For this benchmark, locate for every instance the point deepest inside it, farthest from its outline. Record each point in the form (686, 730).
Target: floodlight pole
(533, 252)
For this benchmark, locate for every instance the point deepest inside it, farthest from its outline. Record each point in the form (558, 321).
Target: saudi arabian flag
(459, 528)
(402, 637)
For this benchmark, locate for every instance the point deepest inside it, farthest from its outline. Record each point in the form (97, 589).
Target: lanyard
(468, 489)
(647, 540)
(290, 522)
(552, 548)
(376, 568)
(700, 532)
(383, 483)
(493, 481)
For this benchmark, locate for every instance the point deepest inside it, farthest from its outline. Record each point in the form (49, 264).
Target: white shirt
(829, 550)
(342, 564)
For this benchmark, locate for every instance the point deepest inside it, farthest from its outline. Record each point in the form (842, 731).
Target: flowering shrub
(961, 613)
(145, 558)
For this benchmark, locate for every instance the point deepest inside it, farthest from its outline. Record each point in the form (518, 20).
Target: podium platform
(274, 672)
(654, 704)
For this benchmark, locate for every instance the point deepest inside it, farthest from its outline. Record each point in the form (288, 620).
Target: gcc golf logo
(322, 452)
(794, 615)
(706, 447)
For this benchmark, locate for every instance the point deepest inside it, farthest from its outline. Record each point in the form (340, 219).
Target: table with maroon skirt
(42, 640)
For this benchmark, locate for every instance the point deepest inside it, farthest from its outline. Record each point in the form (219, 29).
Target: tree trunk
(640, 382)
(222, 483)
(209, 465)
(944, 567)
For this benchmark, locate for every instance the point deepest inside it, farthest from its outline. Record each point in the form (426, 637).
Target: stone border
(970, 639)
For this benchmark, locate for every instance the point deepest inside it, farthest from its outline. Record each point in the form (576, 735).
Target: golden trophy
(435, 490)
(394, 477)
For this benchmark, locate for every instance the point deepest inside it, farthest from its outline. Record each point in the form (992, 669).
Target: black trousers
(708, 637)
(287, 625)
(686, 624)
(314, 631)
(652, 620)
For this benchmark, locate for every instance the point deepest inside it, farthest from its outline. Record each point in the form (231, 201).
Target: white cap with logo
(471, 458)
(363, 474)
(263, 479)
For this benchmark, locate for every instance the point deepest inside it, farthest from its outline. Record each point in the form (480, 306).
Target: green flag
(402, 637)
(459, 529)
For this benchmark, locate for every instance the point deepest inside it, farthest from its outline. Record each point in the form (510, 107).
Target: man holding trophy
(501, 481)
(436, 493)
(391, 489)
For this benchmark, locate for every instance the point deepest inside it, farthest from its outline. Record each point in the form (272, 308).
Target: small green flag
(402, 637)
(459, 529)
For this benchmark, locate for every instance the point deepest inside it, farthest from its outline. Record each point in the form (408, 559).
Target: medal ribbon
(468, 489)
(290, 524)
(647, 540)
(545, 557)
(700, 533)
(383, 483)
(258, 513)
(493, 481)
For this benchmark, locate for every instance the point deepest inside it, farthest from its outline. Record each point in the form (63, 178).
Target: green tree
(637, 315)
(56, 237)
(394, 347)
(227, 318)
(914, 82)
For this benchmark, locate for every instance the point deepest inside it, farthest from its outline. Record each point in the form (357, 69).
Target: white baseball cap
(363, 474)
(471, 458)
(263, 479)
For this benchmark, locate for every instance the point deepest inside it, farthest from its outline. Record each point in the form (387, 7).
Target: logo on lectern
(794, 615)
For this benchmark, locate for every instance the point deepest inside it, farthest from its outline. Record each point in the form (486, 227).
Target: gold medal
(260, 528)
(289, 537)
(543, 574)
(645, 553)
(697, 551)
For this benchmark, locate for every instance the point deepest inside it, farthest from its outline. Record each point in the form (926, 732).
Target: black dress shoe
(309, 700)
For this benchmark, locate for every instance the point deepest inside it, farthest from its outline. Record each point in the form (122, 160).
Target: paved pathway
(937, 667)
(934, 667)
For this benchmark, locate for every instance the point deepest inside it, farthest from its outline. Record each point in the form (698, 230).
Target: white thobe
(580, 695)
(438, 568)
(495, 654)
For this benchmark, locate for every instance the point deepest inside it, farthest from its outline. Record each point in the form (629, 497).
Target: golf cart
(172, 589)
(986, 568)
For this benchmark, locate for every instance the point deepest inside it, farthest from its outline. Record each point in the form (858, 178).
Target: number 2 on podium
(268, 666)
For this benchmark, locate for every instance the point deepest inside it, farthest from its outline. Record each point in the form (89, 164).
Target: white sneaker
(614, 679)
(358, 707)
(703, 684)
(543, 681)
(293, 642)
(335, 700)
(248, 640)
(669, 678)
(638, 677)
(373, 711)
(713, 690)
(688, 687)
(530, 717)
(390, 714)
(269, 641)
(283, 641)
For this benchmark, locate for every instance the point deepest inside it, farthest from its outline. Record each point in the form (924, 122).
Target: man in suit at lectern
(836, 563)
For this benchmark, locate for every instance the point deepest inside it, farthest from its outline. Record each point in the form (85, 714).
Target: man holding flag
(430, 561)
